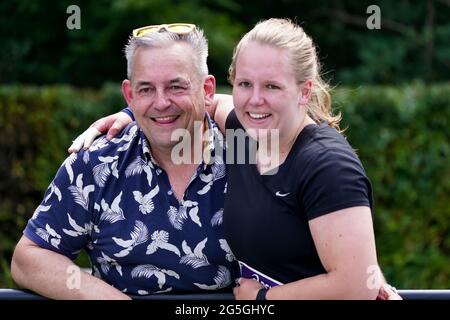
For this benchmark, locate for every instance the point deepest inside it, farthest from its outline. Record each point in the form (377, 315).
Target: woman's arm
(345, 242)
(113, 124)
(223, 105)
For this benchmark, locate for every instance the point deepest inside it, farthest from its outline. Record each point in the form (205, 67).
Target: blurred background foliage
(391, 86)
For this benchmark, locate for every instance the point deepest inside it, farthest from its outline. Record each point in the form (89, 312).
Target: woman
(297, 214)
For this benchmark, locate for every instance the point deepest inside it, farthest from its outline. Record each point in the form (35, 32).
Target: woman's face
(265, 92)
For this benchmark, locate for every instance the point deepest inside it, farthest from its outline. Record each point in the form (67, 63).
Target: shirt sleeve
(128, 111)
(335, 180)
(232, 121)
(63, 221)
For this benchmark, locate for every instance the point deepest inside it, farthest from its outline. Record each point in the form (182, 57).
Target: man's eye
(244, 84)
(272, 87)
(144, 90)
(177, 88)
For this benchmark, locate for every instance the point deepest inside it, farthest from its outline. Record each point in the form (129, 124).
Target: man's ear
(306, 89)
(127, 91)
(209, 86)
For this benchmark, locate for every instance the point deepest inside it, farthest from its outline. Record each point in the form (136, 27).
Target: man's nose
(162, 101)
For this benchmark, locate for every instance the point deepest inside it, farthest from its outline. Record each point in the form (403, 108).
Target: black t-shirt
(266, 216)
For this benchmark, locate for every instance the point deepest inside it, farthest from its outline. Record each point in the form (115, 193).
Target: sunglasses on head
(178, 28)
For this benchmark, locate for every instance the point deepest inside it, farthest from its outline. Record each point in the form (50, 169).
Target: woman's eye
(273, 87)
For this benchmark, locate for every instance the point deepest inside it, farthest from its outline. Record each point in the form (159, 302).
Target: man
(148, 223)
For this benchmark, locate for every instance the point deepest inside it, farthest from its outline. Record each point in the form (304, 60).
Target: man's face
(167, 92)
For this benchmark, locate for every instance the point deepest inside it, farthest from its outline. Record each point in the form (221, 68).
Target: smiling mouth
(258, 116)
(165, 120)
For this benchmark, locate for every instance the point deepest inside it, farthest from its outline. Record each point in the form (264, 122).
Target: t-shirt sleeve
(335, 180)
(232, 121)
(62, 222)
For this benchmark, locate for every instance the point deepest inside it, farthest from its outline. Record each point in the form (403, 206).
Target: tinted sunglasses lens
(181, 28)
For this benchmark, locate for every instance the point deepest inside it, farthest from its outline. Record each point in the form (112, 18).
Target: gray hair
(195, 39)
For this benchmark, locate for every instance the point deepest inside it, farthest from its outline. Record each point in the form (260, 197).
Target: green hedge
(401, 135)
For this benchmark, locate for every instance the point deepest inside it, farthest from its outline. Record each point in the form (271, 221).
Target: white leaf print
(193, 213)
(217, 218)
(42, 234)
(138, 235)
(52, 232)
(222, 279)
(127, 138)
(113, 214)
(40, 209)
(148, 270)
(198, 251)
(101, 173)
(195, 258)
(160, 240)
(53, 190)
(99, 143)
(164, 290)
(218, 168)
(123, 243)
(80, 230)
(225, 247)
(80, 194)
(143, 292)
(55, 242)
(49, 235)
(68, 165)
(135, 167)
(146, 204)
(106, 262)
(177, 217)
(208, 179)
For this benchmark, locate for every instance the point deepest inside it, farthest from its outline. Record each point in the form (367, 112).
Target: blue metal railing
(13, 294)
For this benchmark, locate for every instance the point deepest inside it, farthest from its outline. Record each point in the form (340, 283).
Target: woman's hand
(112, 124)
(387, 292)
(247, 289)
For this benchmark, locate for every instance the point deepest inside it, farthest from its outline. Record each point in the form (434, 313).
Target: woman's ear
(305, 90)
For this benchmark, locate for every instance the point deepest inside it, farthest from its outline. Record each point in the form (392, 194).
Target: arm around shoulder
(223, 105)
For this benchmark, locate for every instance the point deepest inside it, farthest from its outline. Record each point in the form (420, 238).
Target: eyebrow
(180, 80)
(176, 80)
(142, 83)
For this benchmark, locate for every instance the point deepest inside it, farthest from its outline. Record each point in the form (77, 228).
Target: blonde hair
(284, 34)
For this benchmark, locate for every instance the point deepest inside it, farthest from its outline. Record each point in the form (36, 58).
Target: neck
(187, 152)
(273, 150)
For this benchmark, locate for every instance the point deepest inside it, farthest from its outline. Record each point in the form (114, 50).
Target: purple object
(248, 272)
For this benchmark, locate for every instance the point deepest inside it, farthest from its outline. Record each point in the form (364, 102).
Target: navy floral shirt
(115, 202)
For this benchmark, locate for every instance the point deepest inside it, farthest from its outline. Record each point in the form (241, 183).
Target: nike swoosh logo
(279, 194)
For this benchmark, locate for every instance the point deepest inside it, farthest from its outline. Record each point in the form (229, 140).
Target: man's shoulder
(102, 147)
